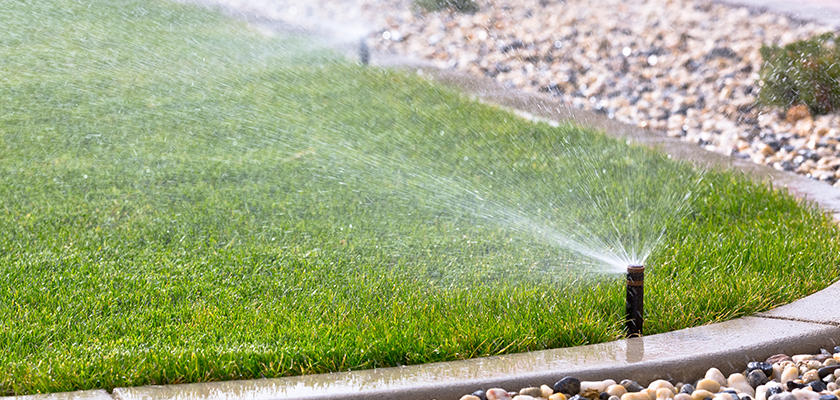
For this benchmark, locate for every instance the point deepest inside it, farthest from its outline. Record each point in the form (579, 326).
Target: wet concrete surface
(79, 395)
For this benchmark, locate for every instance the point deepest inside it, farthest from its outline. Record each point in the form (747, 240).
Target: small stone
(710, 385)
(498, 394)
(765, 367)
(774, 390)
(591, 394)
(546, 391)
(806, 395)
(664, 394)
(635, 396)
(470, 397)
(700, 394)
(739, 383)
(783, 396)
(828, 397)
(567, 385)
(683, 396)
(777, 358)
(523, 397)
(557, 396)
(600, 386)
(757, 377)
(797, 113)
(792, 385)
(789, 374)
(662, 384)
(826, 371)
(687, 388)
(531, 391)
(616, 390)
(817, 386)
(716, 375)
(799, 358)
(811, 376)
(632, 386)
(480, 394)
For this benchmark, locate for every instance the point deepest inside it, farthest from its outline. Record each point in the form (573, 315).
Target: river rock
(783, 396)
(710, 385)
(701, 394)
(757, 377)
(636, 396)
(683, 396)
(739, 383)
(568, 385)
(524, 397)
(632, 386)
(663, 384)
(470, 397)
(498, 394)
(557, 396)
(789, 374)
(775, 359)
(664, 394)
(828, 397)
(804, 394)
(687, 388)
(826, 371)
(716, 375)
(480, 394)
(765, 367)
(616, 390)
(531, 391)
(817, 386)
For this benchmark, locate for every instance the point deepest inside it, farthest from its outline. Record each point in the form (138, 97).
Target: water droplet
(558, 45)
(441, 133)
(653, 59)
(626, 51)
(386, 35)
(85, 176)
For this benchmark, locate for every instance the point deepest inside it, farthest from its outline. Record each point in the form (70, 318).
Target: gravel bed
(687, 68)
(780, 377)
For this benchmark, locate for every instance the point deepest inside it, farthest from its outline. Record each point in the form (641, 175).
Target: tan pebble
(832, 386)
(836, 393)
(600, 386)
(708, 384)
(557, 396)
(797, 112)
(810, 376)
(777, 372)
(469, 397)
(700, 394)
(650, 392)
(524, 397)
(789, 374)
(723, 396)
(802, 357)
(739, 383)
(662, 384)
(497, 394)
(546, 391)
(830, 361)
(619, 390)
(805, 394)
(531, 391)
(636, 396)
(664, 394)
(683, 396)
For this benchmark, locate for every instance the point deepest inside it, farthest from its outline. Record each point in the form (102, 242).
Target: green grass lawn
(186, 200)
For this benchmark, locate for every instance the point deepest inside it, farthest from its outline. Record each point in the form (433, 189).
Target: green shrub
(804, 72)
(468, 6)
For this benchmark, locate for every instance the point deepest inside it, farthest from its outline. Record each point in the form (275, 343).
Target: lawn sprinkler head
(635, 299)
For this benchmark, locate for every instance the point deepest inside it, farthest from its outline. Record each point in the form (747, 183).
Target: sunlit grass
(185, 200)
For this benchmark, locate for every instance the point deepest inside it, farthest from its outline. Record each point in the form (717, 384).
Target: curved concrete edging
(803, 326)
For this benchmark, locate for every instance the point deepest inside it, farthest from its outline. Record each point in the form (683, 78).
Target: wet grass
(186, 200)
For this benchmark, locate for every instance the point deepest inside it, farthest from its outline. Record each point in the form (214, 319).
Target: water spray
(635, 299)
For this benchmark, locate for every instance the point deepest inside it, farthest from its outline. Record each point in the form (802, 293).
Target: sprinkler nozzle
(635, 299)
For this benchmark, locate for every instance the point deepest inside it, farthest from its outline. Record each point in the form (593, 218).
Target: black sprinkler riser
(635, 299)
